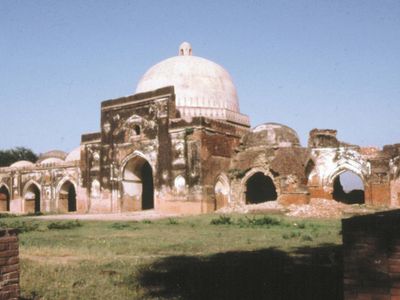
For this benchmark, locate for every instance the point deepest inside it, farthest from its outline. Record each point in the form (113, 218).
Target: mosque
(180, 144)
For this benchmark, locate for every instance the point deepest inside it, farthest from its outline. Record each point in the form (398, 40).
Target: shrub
(119, 226)
(222, 220)
(64, 225)
(172, 221)
(147, 222)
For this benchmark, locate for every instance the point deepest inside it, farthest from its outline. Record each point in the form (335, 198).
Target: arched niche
(137, 184)
(222, 191)
(67, 196)
(32, 197)
(4, 198)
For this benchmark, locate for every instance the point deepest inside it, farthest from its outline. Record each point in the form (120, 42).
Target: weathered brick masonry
(9, 264)
(371, 255)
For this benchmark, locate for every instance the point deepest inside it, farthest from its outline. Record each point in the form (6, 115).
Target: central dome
(202, 87)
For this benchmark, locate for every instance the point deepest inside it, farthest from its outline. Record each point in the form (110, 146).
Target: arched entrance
(348, 188)
(137, 185)
(67, 197)
(4, 199)
(260, 188)
(32, 199)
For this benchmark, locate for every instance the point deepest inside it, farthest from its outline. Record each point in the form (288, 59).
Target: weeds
(222, 220)
(172, 221)
(21, 226)
(64, 225)
(119, 226)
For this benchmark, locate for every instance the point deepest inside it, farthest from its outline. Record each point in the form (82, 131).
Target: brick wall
(371, 256)
(9, 264)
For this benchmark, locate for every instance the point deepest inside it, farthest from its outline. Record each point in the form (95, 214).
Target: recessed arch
(4, 198)
(137, 184)
(32, 197)
(222, 191)
(259, 187)
(348, 187)
(309, 169)
(66, 195)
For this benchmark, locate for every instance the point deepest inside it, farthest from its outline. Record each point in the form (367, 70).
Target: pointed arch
(349, 196)
(66, 195)
(222, 191)
(259, 185)
(137, 183)
(32, 197)
(5, 196)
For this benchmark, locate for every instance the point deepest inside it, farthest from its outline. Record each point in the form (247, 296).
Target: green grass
(175, 258)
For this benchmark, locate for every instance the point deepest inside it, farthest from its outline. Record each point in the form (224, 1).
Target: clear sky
(307, 64)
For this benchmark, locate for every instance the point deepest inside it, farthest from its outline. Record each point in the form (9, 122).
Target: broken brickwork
(9, 264)
(371, 254)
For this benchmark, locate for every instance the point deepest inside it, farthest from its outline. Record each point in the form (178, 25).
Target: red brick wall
(9, 264)
(371, 256)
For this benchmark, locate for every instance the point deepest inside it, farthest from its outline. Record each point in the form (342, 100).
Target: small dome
(22, 164)
(271, 135)
(202, 87)
(52, 154)
(74, 154)
(51, 160)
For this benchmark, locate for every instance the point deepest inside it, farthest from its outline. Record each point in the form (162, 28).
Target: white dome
(74, 154)
(22, 164)
(51, 160)
(202, 87)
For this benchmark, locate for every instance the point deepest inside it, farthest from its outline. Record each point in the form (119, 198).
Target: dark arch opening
(148, 188)
(4, 199)
(137, 185)
(67, 197)
(260, 188)
(136, 128)
(309, 168)
(32, 199)
(348, 188)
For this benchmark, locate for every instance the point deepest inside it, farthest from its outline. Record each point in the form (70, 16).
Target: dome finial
(185, 49)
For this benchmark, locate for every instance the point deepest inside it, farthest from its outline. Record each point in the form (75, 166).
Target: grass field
(202, 257)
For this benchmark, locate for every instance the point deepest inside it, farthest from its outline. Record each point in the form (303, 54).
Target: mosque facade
(180, 144)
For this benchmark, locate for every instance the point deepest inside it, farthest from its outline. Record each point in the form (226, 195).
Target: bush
(172, 221)
(222, 220)
(119, 226)
(147, 222)
(64, 225)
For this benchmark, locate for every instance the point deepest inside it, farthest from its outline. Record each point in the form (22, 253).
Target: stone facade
(188, 158)
(9, 264)
(371, 256)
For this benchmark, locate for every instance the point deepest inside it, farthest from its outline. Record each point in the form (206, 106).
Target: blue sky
(307, 64)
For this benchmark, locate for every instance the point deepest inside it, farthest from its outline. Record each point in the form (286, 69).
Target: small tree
(10, 156)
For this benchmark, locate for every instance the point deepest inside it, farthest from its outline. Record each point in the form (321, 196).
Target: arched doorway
(137, 185)
(348, 188)
(260, 188)
(32, 199)
(67, 197)
(4, 199)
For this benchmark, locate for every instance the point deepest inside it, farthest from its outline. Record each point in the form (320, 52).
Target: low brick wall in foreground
(371, 256)
(9, 264)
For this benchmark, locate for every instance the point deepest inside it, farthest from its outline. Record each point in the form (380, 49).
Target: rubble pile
(316, 208)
